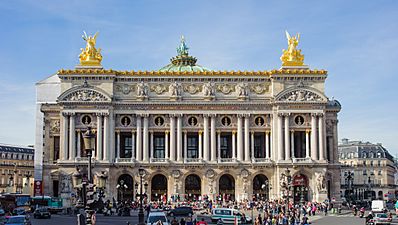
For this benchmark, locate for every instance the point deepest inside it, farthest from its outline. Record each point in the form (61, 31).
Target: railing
(159, 160)
(261, 160)
(80, 159)
(193, 160)
(302, 160)
(226, 160)
(124, 160)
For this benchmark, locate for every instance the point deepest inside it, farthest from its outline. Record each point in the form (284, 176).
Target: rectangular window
(259, 145)
(126, 146)
(159, 146)
(226, 146)
(56, 148)
(192, 146)
(299, 144)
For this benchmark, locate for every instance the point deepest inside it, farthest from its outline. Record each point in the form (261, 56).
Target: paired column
(267, 153)
(252, 145)
(72, 137)
(280, 137)
(233, 144)
(200, 145)
(287, 137)
(172, 138)
(117, 144)
(166, 147)
(314, 135)
(151, 145)
(99, 137)
(219, 145)
(292, 143)
(106, 138)
(240, 138)
(145, 145)
(213, 143)
(322, 136)
(185, 145)
(247, 141)
(307, 144)
(79, 141)
(179, 138)
(133, 147)
(65, 128)
(138, 147)
(206, 137)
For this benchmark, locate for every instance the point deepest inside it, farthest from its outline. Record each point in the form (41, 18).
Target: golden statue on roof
(292, 56)
(90, 56)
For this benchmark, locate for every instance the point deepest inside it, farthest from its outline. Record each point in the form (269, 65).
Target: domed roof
(183, 61)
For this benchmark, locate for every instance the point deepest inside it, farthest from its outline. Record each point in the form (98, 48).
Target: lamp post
(370, 185)
(141, 173)
(349, 177)
(101, 188)
(286, 184)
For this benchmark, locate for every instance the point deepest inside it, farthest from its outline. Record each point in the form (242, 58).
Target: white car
(155, 217)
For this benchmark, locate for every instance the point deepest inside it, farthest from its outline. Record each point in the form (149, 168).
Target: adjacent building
(16, 169)
(368, 171)
(196, 132)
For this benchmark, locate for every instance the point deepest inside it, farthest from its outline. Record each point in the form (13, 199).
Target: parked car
(18, 220)
(19, 211)
(154, 217)
(228, 215)
(382, 218)
(181, 211)
(2, 216)
(42, 213)
(379, 206)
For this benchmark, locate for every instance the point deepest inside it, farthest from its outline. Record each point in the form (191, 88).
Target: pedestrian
(182, 221)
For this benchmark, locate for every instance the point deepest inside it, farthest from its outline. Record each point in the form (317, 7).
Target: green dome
(183, 61)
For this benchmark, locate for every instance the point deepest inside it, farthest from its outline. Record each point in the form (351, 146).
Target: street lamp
(101, 188)
(286, 184)
(349, 177)
(78, 185)
(370, 185)
(141, 173)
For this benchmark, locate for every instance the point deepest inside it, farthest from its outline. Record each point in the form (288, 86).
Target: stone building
(195, 131)
(372, 171)
(16, 169)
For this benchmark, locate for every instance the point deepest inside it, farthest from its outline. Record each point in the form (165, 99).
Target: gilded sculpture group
(91, 56)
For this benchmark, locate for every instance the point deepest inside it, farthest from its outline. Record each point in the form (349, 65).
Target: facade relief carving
(321, 182)
(142, 90)
(192, 88)
(124, 88)
(225, 88)
(86, 95)
(208, 91)
(241, 90)
(54, 126)
(159, 88)
(259, 88)
(301, 96)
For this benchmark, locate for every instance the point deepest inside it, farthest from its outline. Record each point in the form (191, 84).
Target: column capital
(247, 115)
(151, 131)
(252, 132)
(218, 131)
(133, 131)
(78, 130)
(307, 131)
(185, 132)
(200, 132)
(117, 131)
(166, 131)
(234, 132)
(280, 114)
(320, 114)
(144, 115)
(292, 131)
(240, 115)
(267, 132)
(212, 115)
(314, 114)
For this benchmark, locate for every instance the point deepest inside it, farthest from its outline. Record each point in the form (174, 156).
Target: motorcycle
(361, 214)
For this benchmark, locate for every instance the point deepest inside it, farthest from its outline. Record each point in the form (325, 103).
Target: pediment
(84, 94)
(301, 95)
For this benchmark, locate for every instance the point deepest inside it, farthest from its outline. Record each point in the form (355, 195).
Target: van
(378, 206)
(228, 216)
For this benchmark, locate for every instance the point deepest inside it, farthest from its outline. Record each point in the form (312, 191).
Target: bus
(12, 201)
(53, 204)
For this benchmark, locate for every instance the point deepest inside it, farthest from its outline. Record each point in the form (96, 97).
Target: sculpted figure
(241, 90)
(174, 89)
(142, 89)
(321, 182)
(208, 89)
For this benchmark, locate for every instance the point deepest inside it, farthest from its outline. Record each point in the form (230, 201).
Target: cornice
(187, 73)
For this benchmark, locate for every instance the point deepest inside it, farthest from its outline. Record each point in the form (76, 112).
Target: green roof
(183, 61)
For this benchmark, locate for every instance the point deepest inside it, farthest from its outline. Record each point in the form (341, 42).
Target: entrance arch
(193, 187)
(159, 188)
(226, 187)
(125, 187)
(300, 188)
(261, 187)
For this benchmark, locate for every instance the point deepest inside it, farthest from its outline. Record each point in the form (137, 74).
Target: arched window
(379, 154)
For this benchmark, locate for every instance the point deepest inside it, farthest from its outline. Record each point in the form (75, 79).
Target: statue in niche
(208, 89)
(142, 89)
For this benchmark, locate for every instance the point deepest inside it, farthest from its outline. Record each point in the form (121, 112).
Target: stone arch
(260, 186)
(84, 93)
(159, 187)
(304, 94)
(192, 186)
(125, 187)
(226, 187)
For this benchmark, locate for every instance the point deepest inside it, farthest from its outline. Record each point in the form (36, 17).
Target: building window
(56, 147)
(126, 147)
(159, 146)
(259, 145)
(379, 154)
(192, 146)
(299, 144)
(226, 146)
(379, 173)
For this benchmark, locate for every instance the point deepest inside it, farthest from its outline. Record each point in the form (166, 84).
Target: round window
(192, 121)
(260, 121)
(125, 121)
(226, 121)
(86, 119)
(299, 120)
(159, 121)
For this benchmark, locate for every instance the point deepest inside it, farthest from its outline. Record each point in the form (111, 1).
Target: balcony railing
(226, 160)
(261, 161)
(124, 160)
(302, 160)
(193, 160)
(159, 160)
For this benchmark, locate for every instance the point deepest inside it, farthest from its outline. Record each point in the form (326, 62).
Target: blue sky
(356, 41)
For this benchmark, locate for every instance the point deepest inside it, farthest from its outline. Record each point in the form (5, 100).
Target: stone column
(166, 147)
(307, 144)
(335, 140)
(267, 155)
(145, 144)
(287, 137)
(138, 143)
(252, 145)
(179, 138)
(112, 136)
(79, 141)
(292, 143)
(185, 145)
(280, 137)
(99, 136)
(151, 146)
(200, 145)
(321, 136)
(172, 138)
(234, 144)
(314, 134)
(106, 137)
(72, 137)
(117, 144)
(206, 137)
(247, 140)
(133, 145)
(240, 138)
(213, 143)
(219, 145)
